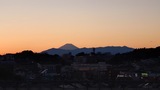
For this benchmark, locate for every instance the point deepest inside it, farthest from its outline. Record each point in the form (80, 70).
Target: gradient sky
(41, 24)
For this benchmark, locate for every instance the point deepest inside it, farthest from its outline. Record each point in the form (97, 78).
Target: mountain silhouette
(70, 48)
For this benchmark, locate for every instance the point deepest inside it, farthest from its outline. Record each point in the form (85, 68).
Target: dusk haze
(38, 25)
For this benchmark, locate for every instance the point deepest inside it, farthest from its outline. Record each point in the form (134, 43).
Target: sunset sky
(42, 24)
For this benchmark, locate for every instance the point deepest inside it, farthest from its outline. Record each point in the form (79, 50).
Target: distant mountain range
(70, 48)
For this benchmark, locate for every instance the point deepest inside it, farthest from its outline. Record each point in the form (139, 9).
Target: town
(139, 68)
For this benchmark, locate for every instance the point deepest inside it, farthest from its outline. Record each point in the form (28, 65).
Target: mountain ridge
(106, 49)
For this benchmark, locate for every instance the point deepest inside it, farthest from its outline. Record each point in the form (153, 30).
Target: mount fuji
(68, 46)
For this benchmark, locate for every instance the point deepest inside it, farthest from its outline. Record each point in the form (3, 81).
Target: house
(49, 71)
(100, 66)
(90, 71)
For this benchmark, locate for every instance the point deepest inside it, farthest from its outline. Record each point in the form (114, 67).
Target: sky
(42, 24)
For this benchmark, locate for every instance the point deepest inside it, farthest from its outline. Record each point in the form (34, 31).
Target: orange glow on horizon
(39, 25)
